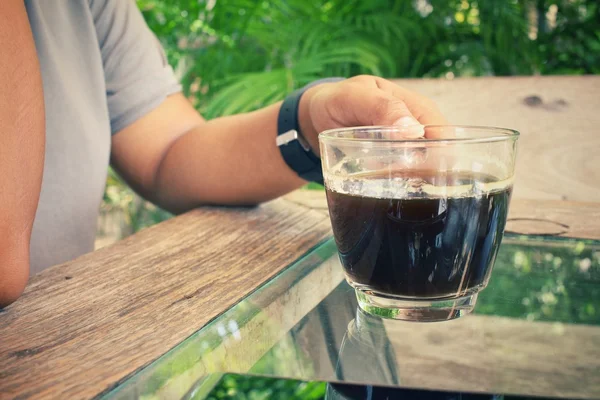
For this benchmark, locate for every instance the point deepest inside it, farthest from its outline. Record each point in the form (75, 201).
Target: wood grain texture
(499, 355)
(541, 217)
(475, 353)
(281, 307)
(83, 326)
(558, 119)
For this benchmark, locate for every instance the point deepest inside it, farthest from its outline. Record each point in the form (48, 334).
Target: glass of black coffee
(418, 213)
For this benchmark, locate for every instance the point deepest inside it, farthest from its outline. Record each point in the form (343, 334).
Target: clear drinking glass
(418, 222)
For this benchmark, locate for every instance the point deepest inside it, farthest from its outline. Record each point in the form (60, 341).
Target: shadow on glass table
(534, 332)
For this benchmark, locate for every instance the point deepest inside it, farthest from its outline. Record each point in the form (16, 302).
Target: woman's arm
(22, 138)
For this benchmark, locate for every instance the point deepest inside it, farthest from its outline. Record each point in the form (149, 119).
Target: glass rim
(497, 134)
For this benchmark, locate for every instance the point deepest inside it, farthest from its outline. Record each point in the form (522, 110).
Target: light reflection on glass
(539, 309)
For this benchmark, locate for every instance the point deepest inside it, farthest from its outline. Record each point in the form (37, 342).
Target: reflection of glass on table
(535, 332)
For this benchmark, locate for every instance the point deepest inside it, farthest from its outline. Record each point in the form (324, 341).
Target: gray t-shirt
(102, 69)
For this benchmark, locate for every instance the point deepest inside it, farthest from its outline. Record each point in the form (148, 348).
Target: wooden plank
(541, 217)
(499, 355)
(83, 326)
(555, 218)
(558, 119)
(280, 309)
(475, 353)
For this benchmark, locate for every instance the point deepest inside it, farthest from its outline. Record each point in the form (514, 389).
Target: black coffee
(420, 246)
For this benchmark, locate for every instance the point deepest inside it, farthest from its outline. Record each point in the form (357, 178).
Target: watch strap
(294, 149)
(297, 155)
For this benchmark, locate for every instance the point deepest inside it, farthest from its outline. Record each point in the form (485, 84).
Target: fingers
(421, 107)
(357, 105)
(372, 101)
(424, 110)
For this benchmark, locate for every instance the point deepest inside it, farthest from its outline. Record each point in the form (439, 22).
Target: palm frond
(246, 92)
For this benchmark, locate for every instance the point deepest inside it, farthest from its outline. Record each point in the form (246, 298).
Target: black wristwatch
(293, 146)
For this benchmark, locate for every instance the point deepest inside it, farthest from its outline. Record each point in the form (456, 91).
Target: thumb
(376, 107)
(385, 109)
(395, 112)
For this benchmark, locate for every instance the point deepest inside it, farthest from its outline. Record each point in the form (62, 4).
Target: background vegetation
(238, 55)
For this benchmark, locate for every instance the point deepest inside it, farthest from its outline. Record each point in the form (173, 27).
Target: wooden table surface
(558, 119)
(84, 326)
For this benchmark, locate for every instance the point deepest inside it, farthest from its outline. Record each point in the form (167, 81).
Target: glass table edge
(327, 244)
(113, 391)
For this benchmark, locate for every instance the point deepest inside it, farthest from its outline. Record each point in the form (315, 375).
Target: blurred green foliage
(237, 55)
(245, 387)
(557, 282)
(137, 212)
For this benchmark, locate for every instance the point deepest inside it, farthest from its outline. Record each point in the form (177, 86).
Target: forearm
(230, 160)
(179, 161)
(22, 139)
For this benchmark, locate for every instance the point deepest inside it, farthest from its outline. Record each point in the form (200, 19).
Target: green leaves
(275, 46)
(552, 280)
(249, 91)
(238, 55)
(244, 387)
(243, 54)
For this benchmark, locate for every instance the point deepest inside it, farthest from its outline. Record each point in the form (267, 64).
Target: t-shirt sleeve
(137, 75)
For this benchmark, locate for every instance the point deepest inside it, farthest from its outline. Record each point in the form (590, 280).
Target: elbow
(14, 273)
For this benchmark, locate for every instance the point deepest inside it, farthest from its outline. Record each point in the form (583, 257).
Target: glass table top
(535, 331)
